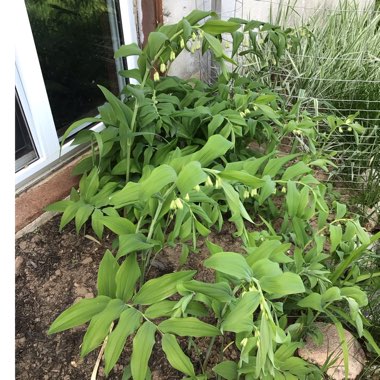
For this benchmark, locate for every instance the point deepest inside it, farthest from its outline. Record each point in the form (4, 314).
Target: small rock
(18, 263)
(87, 260)
(89, 295)
(23, 245)
(20, 342)
(330, 351)
(74, 364)
(81, 291)
(58, 272)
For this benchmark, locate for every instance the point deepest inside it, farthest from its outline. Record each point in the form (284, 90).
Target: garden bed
(54, 269)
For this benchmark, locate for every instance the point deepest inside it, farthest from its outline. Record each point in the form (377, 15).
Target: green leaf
(100, 325)
(69, 214)
(160, 309)
(215, 147)
(143, 343)
(126, 277)
(231, 263)
(197, 15)
(191, 175)
(220, 291)
(77, 124)
(96, 225)
(242, 177)
(237, 39)
(295, 170)
(59, 206)
(92, 185)
(158, 289)
(129, 321)
(106, 275)
(265, 267)
(78, 314)
(219, 26)
(159, 178)
(128, 50)
(82, 215)
(215, 45)
(128, 195)
(282, 285)
(274, 165)
(133, 73)
(312, 301)
(176, 356)
(131, 243)
(292, 198)
(240, 318)
(155, 42)
(118, 225)
(341, 210)
(330, 295)
(227, 369)
(188, 326)
(267, 190)
(362, 234)
(214, 124)
(367, 335)
(356, 293)
(335, 236)
(355, 255)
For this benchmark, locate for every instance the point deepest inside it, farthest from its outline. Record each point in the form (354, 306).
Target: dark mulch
(54, 269)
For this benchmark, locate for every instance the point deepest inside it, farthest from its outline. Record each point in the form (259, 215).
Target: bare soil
(55, 269)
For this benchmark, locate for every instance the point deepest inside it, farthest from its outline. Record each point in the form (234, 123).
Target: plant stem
(99, 358)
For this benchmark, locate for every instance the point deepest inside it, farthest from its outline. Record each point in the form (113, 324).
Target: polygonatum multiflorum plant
(173, 162)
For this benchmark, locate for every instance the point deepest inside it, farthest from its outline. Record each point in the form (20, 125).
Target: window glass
(75, 42)
(25, 150)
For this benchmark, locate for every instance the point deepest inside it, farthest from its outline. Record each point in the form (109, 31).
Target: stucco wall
(187, 65)
(303, 9)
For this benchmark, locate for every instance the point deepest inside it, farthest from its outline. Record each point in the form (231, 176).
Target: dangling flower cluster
(162, 67)
(156, 76)
(208, 182)
(249, 194)
(176, 204)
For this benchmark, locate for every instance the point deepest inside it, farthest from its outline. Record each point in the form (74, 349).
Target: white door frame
(34, 99)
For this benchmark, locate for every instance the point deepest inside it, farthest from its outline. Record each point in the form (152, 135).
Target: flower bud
(340, 129)
(156, 76)
(179, 204)
(253, 192)
(192, 50)
(197, 188)
(162, 67)
(218, 183)
(349, 129)
(181, 43)
(283, 190)
(193, 36)
(187, 197)
(246, 194)
(172, 56)
(172, 205)
(247, 111)
(242, 114)
(227, 45)
(209, 182)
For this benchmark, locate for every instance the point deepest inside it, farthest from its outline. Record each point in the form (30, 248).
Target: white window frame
(34, 99)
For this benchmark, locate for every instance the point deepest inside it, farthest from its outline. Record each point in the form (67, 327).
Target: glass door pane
(25, 149)
(75, 42)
